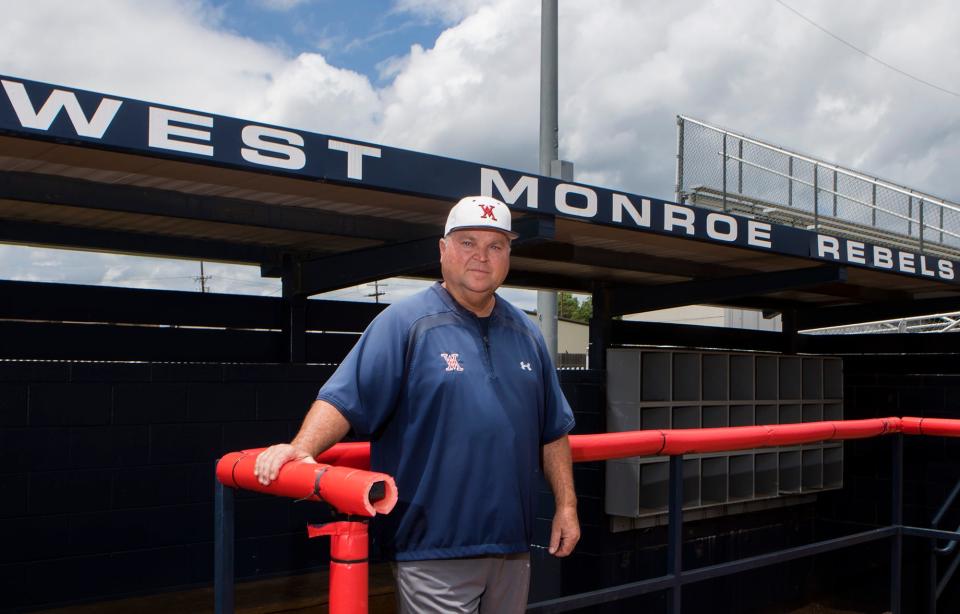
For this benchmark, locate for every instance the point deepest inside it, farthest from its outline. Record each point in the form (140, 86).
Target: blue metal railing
(935, 586)
(677, 578)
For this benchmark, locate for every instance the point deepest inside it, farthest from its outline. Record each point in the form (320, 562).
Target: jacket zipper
(485, 337)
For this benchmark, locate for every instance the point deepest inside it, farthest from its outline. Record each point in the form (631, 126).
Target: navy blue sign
(39, 110)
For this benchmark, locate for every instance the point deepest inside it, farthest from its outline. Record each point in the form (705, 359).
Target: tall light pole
(550, 163)
(549, 115)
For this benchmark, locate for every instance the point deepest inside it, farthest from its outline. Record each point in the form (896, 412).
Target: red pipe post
(350, 491)
(349, 554)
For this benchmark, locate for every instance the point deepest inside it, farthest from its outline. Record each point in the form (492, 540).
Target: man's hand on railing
(273, 458)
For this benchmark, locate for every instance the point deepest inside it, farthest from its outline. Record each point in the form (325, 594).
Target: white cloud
(475, 93)
(626, 69)
(445, 11)
(166, 51)
(307, 92)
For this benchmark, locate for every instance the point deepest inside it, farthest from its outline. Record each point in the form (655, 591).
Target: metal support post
(724, 171)
(549, 146)
(548, 308)
(678, 193)
(920, 216)
(675, 529)
(816, 197)
(896, 520)
(932, 577)
(788, 330)
(295, 318)
(296, 329)
(222, 548)
(549, 76)
(941, 222)
(790, 181)
(600, 328)
(740, 166)
(834, 192)
(909, 215)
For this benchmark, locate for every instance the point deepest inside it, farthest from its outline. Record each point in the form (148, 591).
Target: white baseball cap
(482, 212)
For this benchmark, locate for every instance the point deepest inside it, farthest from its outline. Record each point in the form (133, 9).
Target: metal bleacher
(748, 206)
(726, 171)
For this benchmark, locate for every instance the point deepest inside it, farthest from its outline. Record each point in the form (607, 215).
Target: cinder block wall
(894, 385)
(106, 471)
(106, 475)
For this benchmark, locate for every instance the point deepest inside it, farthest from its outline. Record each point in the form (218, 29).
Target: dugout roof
(84, 170)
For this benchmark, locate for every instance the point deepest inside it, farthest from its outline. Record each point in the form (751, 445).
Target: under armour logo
(525, 366)
(487, 212)
(453, 362)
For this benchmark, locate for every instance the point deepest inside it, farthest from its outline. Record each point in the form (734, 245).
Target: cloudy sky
(876, 91)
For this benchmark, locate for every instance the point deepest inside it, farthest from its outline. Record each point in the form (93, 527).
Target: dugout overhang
(89, 171)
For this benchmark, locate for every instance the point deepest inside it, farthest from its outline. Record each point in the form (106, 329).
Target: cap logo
(493, 215)
(487, 212)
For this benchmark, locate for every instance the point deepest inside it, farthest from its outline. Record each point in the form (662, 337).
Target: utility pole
(202, 279)
(377, 292)
(550, 164)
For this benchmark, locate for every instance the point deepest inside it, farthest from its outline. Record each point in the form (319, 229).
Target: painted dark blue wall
(107, 475)
(107, 482)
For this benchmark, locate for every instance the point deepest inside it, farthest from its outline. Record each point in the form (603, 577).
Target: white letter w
(60, 99)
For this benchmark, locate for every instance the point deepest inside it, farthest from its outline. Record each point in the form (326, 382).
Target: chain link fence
(732, 172)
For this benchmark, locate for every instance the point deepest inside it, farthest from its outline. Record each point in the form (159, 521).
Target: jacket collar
(448, 300)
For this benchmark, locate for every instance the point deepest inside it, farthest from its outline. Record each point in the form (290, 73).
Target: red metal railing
(342, 479)
(351, 491)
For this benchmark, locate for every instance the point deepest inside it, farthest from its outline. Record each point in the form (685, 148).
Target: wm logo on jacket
(453, 362)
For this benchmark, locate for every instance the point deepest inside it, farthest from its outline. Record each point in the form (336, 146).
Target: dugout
(115, 402)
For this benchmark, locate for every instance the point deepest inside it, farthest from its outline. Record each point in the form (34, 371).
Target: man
(457, 392)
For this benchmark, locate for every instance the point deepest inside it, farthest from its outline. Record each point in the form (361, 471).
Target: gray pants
(484, 584)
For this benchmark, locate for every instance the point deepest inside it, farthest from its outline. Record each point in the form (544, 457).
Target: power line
(862, 52)
(245, 281)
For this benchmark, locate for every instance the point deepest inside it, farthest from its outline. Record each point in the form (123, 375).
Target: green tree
(571, 308)
(586, 310)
